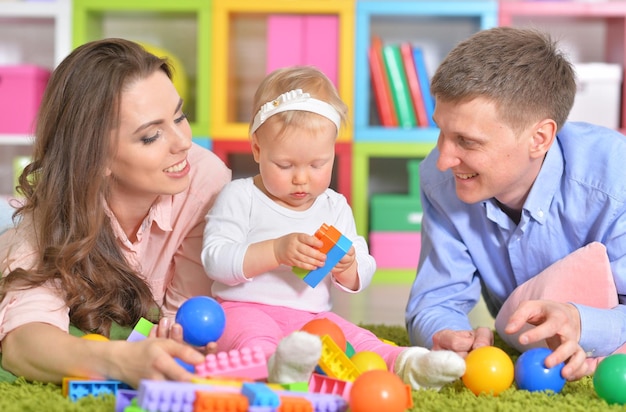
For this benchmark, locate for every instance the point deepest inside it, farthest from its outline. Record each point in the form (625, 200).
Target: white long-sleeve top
(242, 215)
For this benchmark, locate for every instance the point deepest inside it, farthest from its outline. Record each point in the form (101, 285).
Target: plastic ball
(488, 370)
(609, 379)
(349, 350)
(203, 320)
(368, 360)
(325, 326)
(95, 336)
(187, 366)
(532, 375)
(378, 391)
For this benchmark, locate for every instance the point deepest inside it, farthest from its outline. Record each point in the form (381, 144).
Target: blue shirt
(578, 197)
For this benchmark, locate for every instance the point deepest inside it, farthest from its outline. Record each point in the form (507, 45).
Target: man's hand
(559, 325)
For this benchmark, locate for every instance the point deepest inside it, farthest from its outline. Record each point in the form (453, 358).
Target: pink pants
(254, 324)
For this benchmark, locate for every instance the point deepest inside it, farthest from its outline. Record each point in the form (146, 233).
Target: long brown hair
(64, 188)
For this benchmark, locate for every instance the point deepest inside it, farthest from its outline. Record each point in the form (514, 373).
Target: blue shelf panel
(467, 16)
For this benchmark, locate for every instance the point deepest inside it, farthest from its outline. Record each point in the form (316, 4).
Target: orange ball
(325, 326)
(378, 391)
(488, 370)
(95, 336)
(368, 360)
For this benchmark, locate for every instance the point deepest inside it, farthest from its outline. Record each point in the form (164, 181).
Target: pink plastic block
(244, 363)
(321, 44)
(325, 384)
(395, 250)
(284, 41)
(21, 90)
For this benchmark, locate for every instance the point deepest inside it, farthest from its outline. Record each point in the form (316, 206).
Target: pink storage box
(21, 90)
(395, 250)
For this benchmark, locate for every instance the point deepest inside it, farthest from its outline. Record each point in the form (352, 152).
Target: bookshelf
(381, 154)
(33, 33)
(239, 30)
(180, 29)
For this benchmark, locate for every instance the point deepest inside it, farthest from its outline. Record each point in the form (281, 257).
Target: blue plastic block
(81, 388)
(334, 255)
(259, 394)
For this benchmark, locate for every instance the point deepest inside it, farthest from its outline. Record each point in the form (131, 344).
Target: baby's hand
(346, 271)
(299, 249)
(344, 264)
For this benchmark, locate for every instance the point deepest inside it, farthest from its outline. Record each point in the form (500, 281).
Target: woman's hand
(168, 329)
(151, 358)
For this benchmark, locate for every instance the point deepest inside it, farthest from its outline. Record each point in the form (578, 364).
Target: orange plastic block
(220, 401)
(329, 235)
(294, 404)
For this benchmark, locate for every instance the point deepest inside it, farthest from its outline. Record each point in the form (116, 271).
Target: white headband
(295, 100)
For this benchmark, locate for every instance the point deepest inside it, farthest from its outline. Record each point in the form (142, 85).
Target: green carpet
(22, 396)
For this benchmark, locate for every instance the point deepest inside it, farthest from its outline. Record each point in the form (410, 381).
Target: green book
(399, 86)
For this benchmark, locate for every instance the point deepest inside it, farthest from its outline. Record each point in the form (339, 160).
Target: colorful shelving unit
(181, 28)
(230, 119)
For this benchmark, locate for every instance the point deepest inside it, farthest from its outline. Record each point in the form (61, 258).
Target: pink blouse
(166, 253)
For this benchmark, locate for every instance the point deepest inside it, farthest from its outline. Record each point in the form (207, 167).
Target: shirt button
(540, 213)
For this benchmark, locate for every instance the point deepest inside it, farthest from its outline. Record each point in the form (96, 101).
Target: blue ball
(202, 319)
(532, 375)
(187, 366)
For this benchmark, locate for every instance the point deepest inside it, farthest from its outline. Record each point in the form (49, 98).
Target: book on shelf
(406, 50)
(380, 85)
(399, 85)
(424, 82)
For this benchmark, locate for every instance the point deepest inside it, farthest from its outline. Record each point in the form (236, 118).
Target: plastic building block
(244, 363)
(140, 331)
(124, 399)
(81, 388)
(335, 245)
(259, 394)
(295, 404)
(321, 402)
(233, 383)
(156, 396)
(335, 363)
(220, 402)
(296, 386)
(332, 258)
(327, 385)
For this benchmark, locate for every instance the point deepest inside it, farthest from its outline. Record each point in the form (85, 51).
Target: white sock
(422, 368)
(295, 358)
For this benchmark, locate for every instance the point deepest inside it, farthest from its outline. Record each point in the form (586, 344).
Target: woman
(110, 229)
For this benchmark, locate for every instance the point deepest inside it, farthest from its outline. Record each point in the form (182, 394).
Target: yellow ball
(179, 76)
(367, 361)
(488, 370)
(95, 336)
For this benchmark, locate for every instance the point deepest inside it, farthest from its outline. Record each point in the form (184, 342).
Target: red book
(380, 83)
(414, 86)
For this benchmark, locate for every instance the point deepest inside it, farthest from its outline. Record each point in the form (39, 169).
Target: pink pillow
(583, 277)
